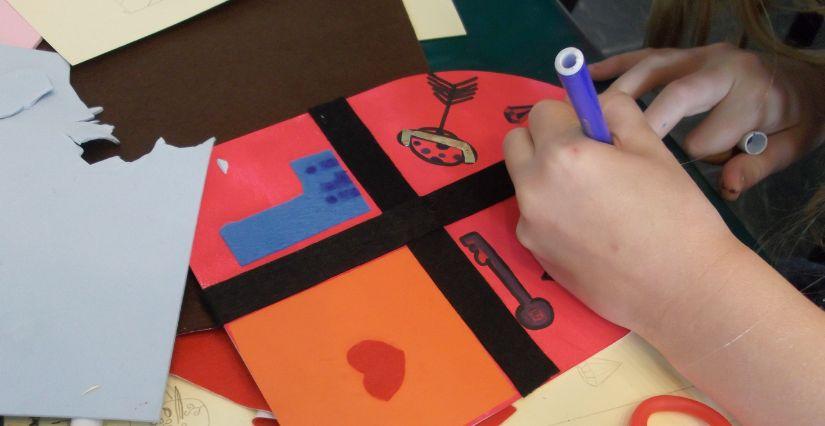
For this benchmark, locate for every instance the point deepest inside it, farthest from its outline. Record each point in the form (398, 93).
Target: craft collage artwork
(396, 214)
(352, 262)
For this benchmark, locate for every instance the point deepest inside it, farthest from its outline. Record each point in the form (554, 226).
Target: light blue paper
(93, 258)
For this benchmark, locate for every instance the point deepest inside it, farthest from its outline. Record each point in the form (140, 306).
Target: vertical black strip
(482, 310)
(360, 151)
(472, 297)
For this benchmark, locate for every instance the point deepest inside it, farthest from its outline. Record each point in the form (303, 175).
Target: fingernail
(729, 193)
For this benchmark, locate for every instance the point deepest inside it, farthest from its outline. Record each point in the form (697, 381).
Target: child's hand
(622, 227)
(744, 93)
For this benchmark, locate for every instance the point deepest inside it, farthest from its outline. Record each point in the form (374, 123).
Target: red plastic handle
(663, 403)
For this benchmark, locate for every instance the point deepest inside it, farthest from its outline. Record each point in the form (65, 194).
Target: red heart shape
(382, 365)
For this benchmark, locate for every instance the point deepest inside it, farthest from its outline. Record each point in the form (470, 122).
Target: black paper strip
(482, 310)
(305, 268)
(360, 151)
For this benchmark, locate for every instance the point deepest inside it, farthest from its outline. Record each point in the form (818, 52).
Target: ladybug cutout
(442, 149)
(436, 145)
(517, 114)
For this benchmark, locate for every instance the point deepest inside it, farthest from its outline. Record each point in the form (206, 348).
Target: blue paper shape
(329, 198)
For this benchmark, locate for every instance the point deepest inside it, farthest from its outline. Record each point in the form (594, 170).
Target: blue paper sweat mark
(329, 198)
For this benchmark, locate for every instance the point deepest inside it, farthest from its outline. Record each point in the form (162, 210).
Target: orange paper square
(297, 350)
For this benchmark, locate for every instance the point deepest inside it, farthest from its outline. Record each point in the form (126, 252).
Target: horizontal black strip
(482, 310)
(365, 158)
(305, 268)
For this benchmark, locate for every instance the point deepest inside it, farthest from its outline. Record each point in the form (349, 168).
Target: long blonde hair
(684, 23)
(678, 23)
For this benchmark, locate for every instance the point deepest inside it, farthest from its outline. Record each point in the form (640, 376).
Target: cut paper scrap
(100, 250)
(433, 19)
(562, 338)
(329, 198)
(302, 366)
(605, 389)
(15, 31)
(184, 404)
(261, 177)
(83, 30)
(209, 359)
(381, 364)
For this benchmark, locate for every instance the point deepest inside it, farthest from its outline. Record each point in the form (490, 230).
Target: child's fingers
(518, 149)
(735, 115)
(693, 94)
(657, 69)
(550, 123)
(629, 126)
(616, 65)
(744, 171)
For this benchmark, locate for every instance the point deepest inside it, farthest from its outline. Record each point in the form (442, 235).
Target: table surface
(522, 38)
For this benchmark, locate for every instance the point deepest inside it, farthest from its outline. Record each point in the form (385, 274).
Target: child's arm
(626, 230)
(751, 341)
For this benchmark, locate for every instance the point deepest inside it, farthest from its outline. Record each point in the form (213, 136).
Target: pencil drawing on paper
(132, 6)
(595, 371)
(437, 145)
(178, 410)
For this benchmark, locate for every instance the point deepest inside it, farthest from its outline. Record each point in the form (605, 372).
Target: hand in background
(622, 226)
(743, 91)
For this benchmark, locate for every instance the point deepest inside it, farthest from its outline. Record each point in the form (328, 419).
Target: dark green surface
(522, 38)
(515, 37)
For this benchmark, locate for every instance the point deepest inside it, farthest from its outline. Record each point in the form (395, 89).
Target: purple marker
(575, 78)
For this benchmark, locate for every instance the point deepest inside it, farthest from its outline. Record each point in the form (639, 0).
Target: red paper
(258, 177)
(408, 103)
(576, 332)
(209, 360)
(284, 344)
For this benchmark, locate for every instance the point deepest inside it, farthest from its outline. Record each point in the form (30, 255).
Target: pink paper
(15, 31)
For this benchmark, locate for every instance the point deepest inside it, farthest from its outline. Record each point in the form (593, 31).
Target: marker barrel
(575, 78)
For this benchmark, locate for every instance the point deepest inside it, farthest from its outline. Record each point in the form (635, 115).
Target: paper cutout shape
(223, 165)
(296, 350)
(634, 371)
(329, 198)
(15, 31)
(260, 177)
(100, 250)
(80, 31)
(517, 114)
(437, 145)
(408, 103)
(382, 366)
(209, 360)
(433, 19)
(533, 313)
(576, 333)
(498, 418)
